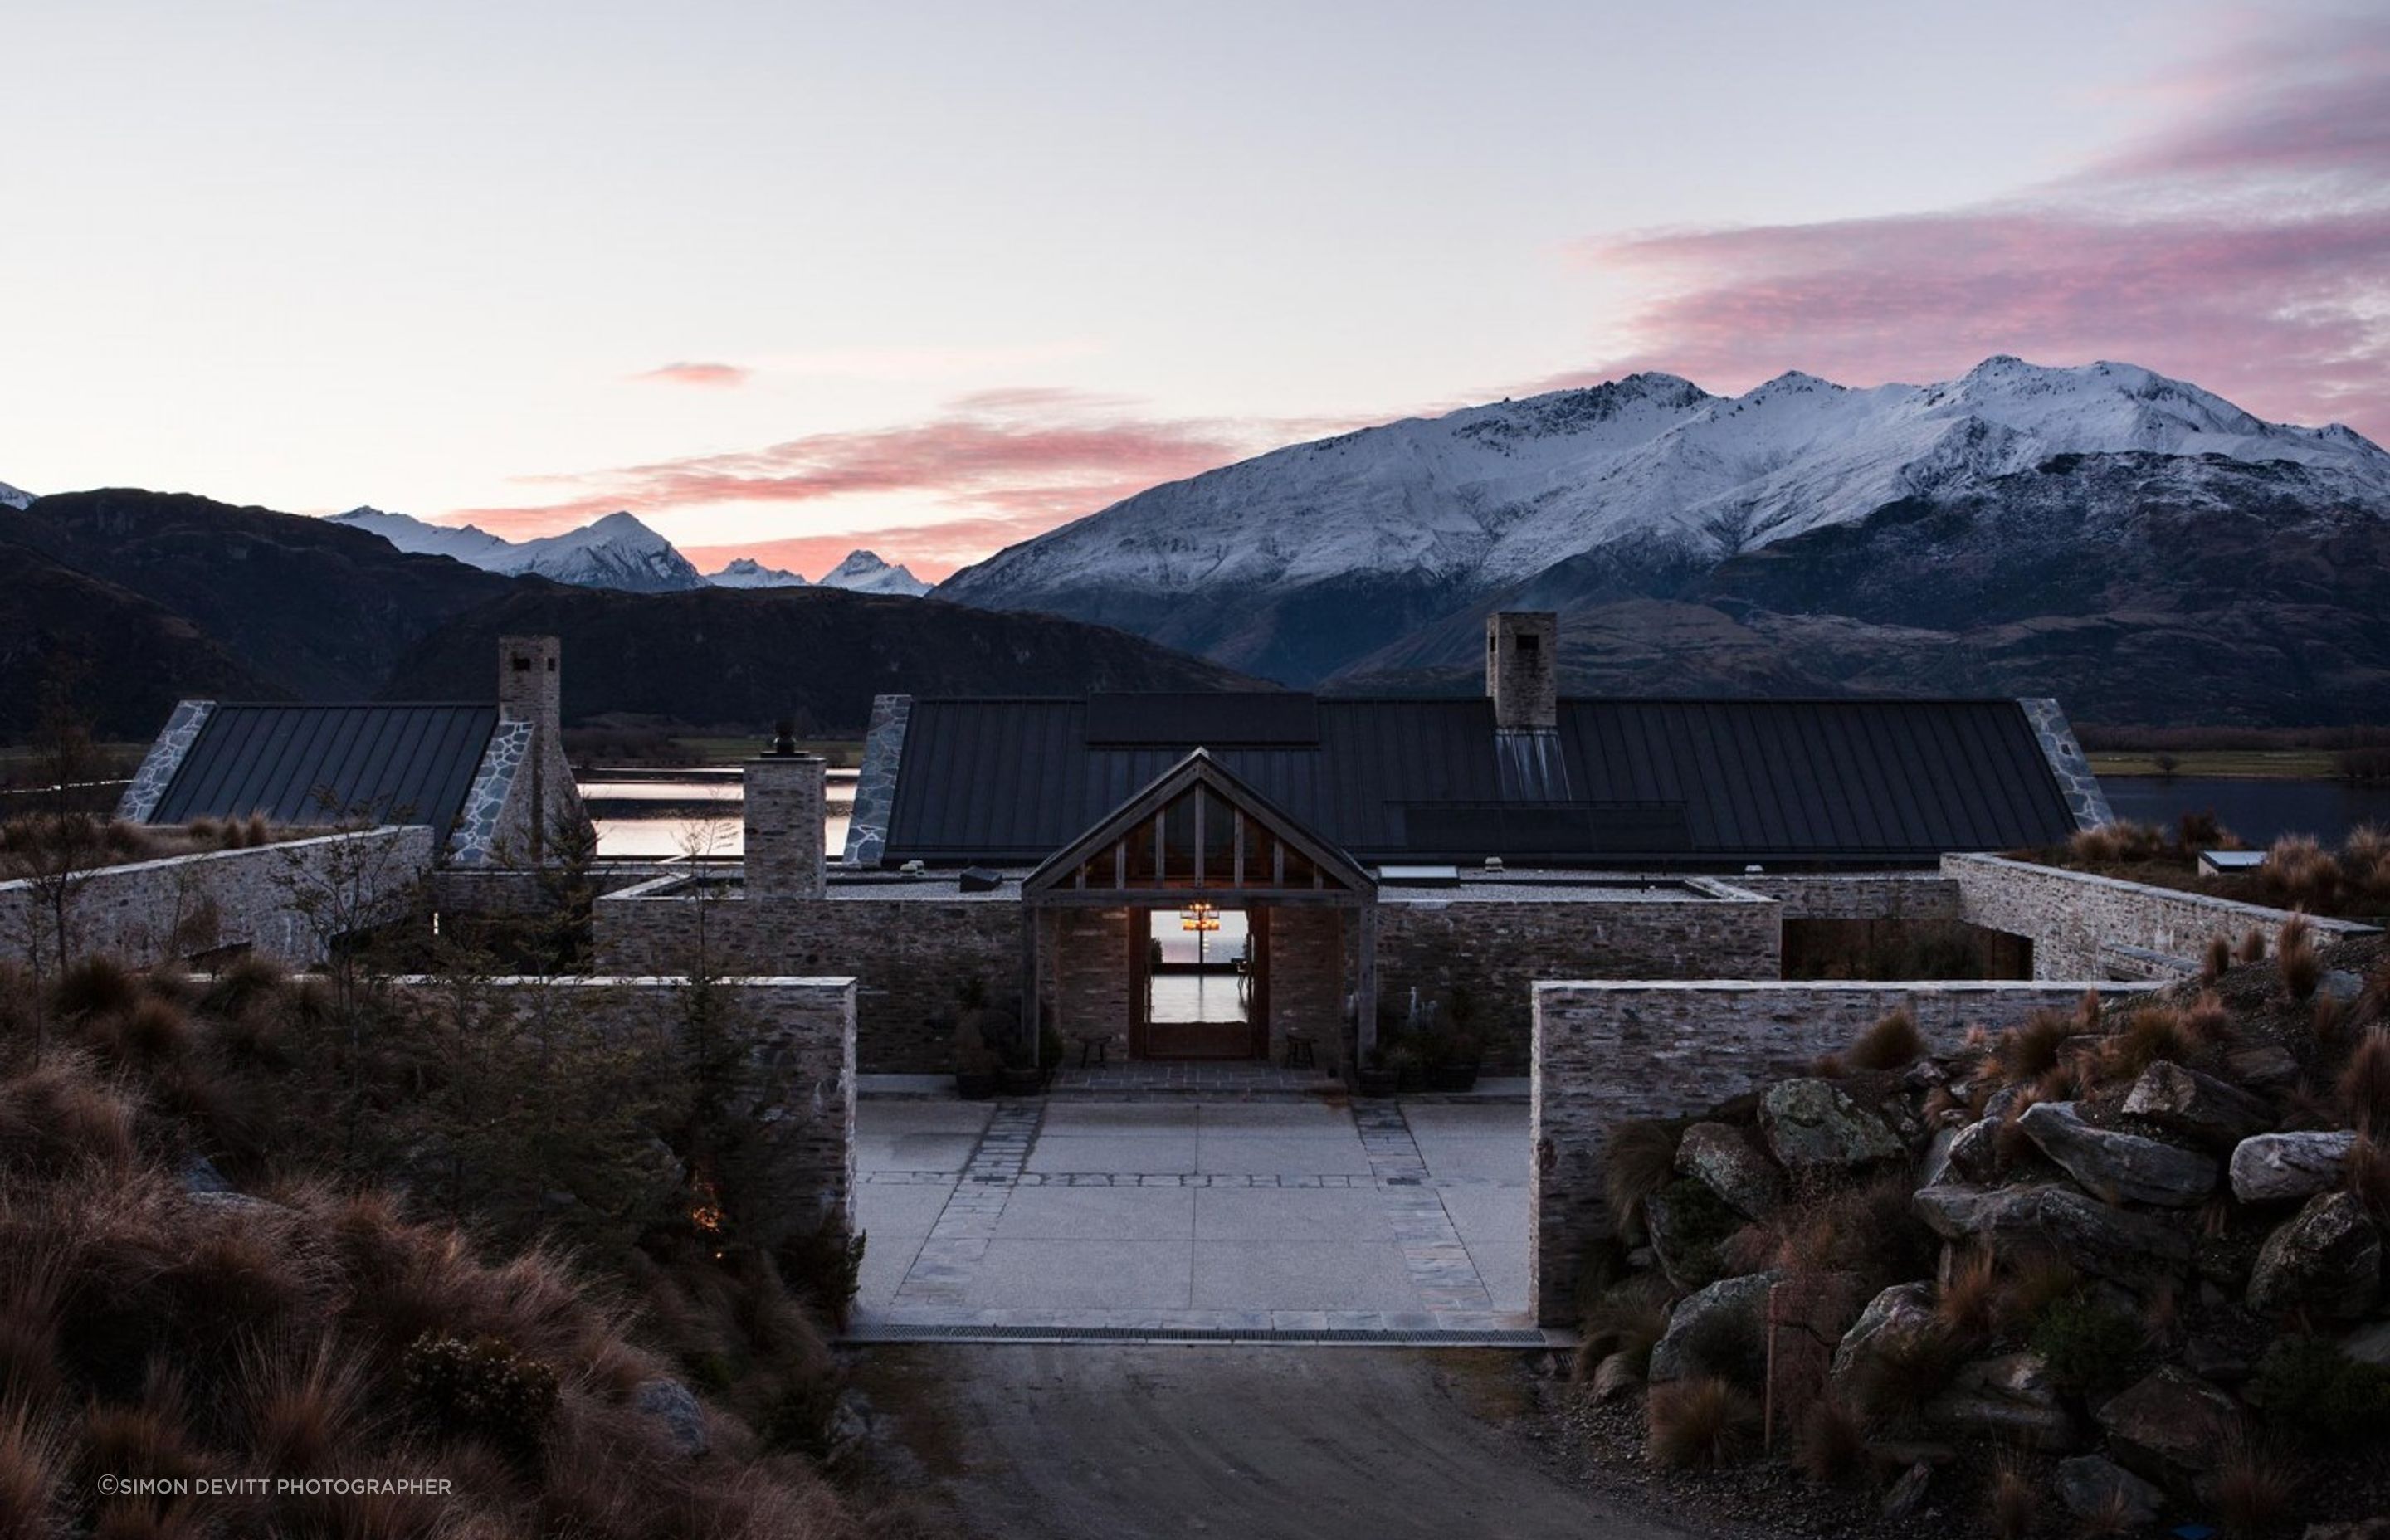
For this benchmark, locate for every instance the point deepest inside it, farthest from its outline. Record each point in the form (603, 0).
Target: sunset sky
(785, 280)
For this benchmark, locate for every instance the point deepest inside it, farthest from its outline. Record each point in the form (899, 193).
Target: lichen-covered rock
(677, 1411)
(1616, 1378)
(2196, 1106)
(1722, 1330)
(2324, 1261)
(1685, 1222)
(1908, 1495)
(2010, 1398)
(1812, 1127)
(1976, 1151)
(2170, 1421)
(2129, 1166)
(2273, 1168)
(2263, 1066)
(1722, 1159)
(1903, 1312)
(2136, 1249)
(2094, 1487)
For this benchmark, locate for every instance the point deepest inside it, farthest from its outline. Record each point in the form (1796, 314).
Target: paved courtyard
(1187, 1215)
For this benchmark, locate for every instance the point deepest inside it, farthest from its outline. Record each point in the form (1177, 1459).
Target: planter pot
(1023, 1083)
(974, 1088)
(1452, 1077)
(1379, 1083)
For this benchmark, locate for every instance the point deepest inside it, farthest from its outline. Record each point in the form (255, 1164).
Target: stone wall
(1309, 952)
(1610, 1053)
(2087, 926)
(1857, 896)
(1088, 975)
(799, 1036)
(515, 891)
(1495, 946)
(909, 956)
(284, 901)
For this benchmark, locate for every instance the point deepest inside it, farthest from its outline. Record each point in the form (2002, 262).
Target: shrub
(482, 1387)
(2363, 1091)
(2090, 1349)
(2299, 873)
(94, 986)
(1700, 1423)
(1892, 1042)
(2301, 969)
(242, 983)
(156, 1029)
(823, 1267)
(1638, 1161)
(2319, 1396)
(1832, 1447)
(57, 1116)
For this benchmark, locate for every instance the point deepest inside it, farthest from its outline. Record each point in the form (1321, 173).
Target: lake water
(2259, 811)
(657, 815)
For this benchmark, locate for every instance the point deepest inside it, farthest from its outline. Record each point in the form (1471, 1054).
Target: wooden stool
(1298, 1050)
(1098, 1042)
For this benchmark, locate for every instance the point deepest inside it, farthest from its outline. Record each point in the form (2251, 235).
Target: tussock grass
(2256, 1482)
(1892, 1042)
(2216, 960)
(2014, 1499)
(1701, 1424)
(2362, 1094)
(2030, 1050)
(1832, 1447)
(2295, 957)
(1968, 1305)
(1638, 1160)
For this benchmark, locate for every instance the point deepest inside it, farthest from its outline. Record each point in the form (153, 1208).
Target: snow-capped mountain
(1298, 562)
(11, 497)
(747, 572)
(615, 552)
(864, 572)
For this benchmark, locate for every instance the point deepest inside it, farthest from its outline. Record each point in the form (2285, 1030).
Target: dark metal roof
(1014, 780)
(310, 765)
(1280, 717)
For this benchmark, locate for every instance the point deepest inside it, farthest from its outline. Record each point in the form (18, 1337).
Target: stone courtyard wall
(1308, 952)
(1496, 947)
(1857, 896)
(1613, 1053)
(1086, 984)
(282, 900)
(909, 956)
(800, 1044)
(2084, 926)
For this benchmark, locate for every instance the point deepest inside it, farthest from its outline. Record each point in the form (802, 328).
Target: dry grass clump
(2117, 843)
(2298, 873)
(1638, 1160)
(2011, 1143)
(94, 986)
(1968, 1305)
(1904, 1373)
(1700, 1423)
(1832, 1448)
(1871, 1231)
(2367, 1174)
(2208, 1021)
(2253, 946)
(2295, 955)
(2256, 1484)
(2365, 859)
(1892, 1042)
(2035, 1282)
(2030, 1050)
(2014, 1500)
(2216, 962)
(32, 1472)
(2150, 1033)
(2363, 1092)
(58, 1117)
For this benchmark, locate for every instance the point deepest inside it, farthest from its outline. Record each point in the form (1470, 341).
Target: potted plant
(1020, 1077)
(1404, 1061)
(976, 1064)
(1378, 1078)
(1455, 1069)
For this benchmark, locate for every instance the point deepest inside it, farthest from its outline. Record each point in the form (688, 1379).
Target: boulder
(1903, 1312)
(1616, 1378)
(2263, 1066)
(2094, 1487)
(1722, 1330)
(2125, 1166)
(1976, 1151)
(2196, 1106)
(1722, 1159)
(1685, 1222)
(1812, 1127)
(2010, 1398)
(199, 1174)
(677, 1411)
(2341, 985)
(2272, 1168)
(1959, 1211)
(2136, 1249)
(2369, 1345)
(2324, 1261)
(2355, 1529)
(1935, 1164)
(1908, 1495)
(1807, 1314)
(2170, 1421)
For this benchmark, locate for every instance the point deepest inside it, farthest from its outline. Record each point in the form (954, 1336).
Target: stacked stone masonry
(1613, 1053)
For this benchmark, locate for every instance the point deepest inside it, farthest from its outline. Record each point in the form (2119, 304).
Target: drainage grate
(1455, 1337)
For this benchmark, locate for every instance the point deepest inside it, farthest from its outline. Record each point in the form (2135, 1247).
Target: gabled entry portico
(1198, 838)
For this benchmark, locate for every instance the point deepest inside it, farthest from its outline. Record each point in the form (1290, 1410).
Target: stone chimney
(1522, 669)
(530, 689)
(784, 858)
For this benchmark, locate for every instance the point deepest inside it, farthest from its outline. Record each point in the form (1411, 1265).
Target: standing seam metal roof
(324, 764)
(1693, 779)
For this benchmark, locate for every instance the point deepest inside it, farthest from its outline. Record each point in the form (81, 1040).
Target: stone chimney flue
(1522, 669)
(783, 821)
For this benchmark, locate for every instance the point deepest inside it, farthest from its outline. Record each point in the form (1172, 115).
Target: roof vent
(973, 879)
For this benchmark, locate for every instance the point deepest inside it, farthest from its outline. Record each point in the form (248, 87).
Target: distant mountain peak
(747, 572)
(864, 572)
(616, 551)
(15, 497)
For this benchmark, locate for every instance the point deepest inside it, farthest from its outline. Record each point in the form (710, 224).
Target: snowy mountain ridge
(1392, 527)
(614, 552)
(747, 572)
(14, 498)
(864, 572)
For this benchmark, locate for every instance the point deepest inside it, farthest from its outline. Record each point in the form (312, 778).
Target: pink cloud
(2244, 244)
(718, 376)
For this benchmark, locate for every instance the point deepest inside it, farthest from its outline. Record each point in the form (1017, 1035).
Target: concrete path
(1078, 1442)
(1192, 1216)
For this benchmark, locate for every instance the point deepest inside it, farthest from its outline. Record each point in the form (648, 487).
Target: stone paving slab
(1099, 1213)
(1167, 1153)
(1302, 1275)
(1290, 1214)
(1047, 1274)
(1244, 1152)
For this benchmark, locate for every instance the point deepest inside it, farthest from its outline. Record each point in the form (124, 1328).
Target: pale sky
(929, 278)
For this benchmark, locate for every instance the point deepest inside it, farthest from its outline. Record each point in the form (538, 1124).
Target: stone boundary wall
(800, 1043)
(909, 956)
(516, 891)
(280, 900)
(1613, 1053)
(2082, 925)
(1493, 946)
(1857, 896)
